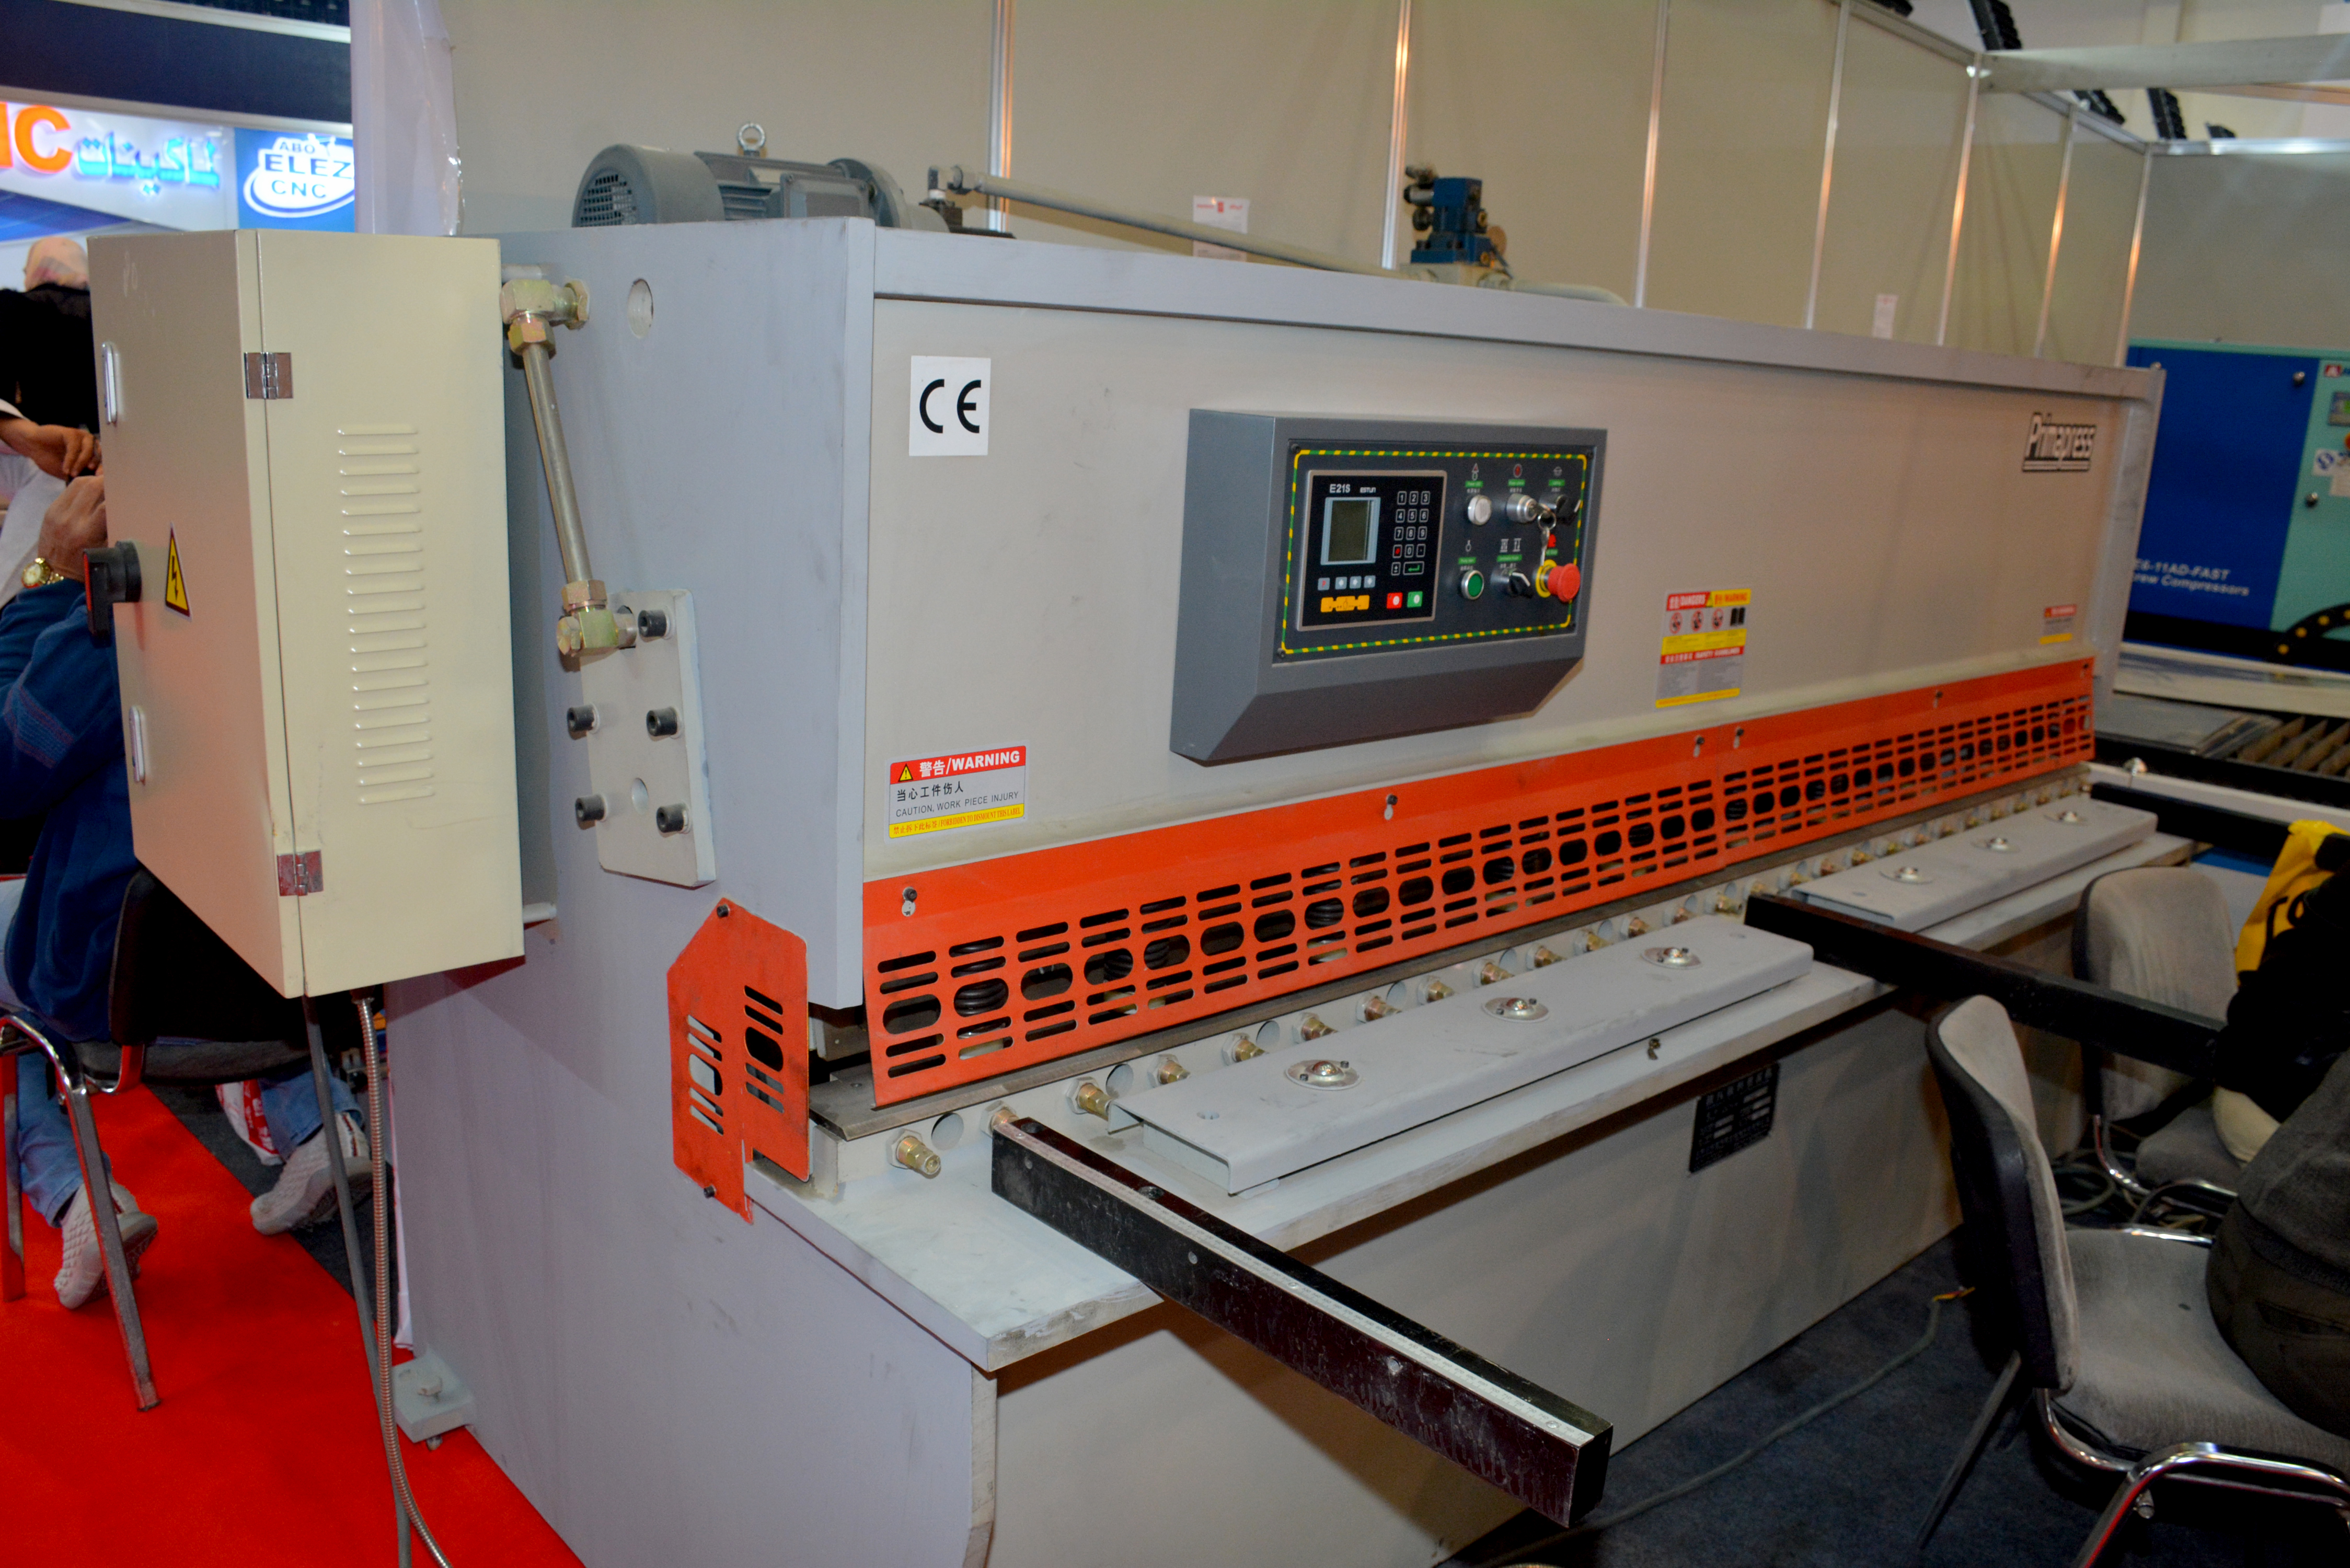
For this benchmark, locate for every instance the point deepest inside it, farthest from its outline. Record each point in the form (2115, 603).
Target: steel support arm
(2257, 837)
(2146, 1031)
(1547, 1453)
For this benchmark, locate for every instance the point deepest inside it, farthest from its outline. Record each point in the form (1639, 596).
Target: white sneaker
(305, 1193)
(84, 1274)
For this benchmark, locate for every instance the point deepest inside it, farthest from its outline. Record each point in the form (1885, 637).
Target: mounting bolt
(1725, 903)
(916, 1156)
(579, 720)
(1543, 958)
(661, 722)
(1636, 927)
(1170, 1071)
(1091, 1099)
(1311, 1027)
(651, 624)
(1376, 1008)
(1243, 1048)
(1491, 974)
(669, 818)
(1437, 990)
(587, 810)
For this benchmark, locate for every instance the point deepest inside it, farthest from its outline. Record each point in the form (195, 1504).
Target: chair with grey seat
(2160, 933)
(2111, 1333)
(174, 982)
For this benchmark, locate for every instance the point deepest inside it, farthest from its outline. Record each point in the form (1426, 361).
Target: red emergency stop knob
(1565, 581)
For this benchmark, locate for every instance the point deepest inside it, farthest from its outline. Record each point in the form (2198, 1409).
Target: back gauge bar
(1349, 581)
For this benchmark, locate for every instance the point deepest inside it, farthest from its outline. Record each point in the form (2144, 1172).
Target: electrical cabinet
(305, 442)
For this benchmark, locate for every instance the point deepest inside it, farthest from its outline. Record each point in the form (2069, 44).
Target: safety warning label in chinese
(1704, 652)
(962, 790)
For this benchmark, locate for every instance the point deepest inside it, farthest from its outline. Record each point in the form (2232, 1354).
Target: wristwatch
(39, 573)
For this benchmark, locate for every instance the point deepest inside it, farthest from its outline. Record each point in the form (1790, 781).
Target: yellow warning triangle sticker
(905, 773)
(175, 586)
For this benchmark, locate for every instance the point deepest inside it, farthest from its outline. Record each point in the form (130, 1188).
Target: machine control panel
(1345, 580)
(1422, 545)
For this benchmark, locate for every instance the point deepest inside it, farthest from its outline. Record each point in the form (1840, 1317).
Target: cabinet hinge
(269, 375)
(299, 875)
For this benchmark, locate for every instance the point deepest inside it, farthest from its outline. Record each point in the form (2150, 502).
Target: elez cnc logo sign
(2053, 448)
(947, 416)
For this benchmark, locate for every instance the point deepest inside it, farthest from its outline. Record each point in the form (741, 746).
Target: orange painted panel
(738, 1081)
(1030, 957)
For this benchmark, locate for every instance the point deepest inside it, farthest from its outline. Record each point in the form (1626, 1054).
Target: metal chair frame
(20, 1036)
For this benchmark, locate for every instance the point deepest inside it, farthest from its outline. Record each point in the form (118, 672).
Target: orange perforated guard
(738, 1065)
(1026, 957)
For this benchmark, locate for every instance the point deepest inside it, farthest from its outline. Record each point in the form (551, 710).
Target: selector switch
(1472, 581)
(1518, 585)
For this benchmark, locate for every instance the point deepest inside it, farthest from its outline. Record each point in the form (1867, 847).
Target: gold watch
(39, 573)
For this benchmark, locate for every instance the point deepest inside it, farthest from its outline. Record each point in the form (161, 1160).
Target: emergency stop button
(1564, 581)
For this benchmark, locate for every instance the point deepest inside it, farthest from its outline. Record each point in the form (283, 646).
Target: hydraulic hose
(383, 1209)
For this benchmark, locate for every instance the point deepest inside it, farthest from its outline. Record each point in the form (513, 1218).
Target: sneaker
(305, 1193)
(84, 1274)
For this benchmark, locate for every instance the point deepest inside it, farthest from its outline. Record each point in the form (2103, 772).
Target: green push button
(1472, 583)
(1414, 601)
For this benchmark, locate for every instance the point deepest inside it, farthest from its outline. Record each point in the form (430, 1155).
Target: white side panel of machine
(712, 452)
(1045, 574)
(187, 460)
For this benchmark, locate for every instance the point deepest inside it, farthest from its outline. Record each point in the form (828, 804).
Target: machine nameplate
(1734, 1117)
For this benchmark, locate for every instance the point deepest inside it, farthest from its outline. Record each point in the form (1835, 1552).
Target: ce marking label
(947, 411)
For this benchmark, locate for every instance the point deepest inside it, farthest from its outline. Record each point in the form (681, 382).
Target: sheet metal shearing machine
(1146, 959)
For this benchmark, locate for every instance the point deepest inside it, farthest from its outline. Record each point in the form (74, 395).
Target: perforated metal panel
(1032, 957)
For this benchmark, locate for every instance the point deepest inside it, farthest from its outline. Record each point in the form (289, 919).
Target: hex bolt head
(1090, 1098)
(1543, 958)
(1244, 1047)
(1636, 927)
(669, 818)
(1312, 1027)
(587, 810)
(579, 720)
(1437, 990)
(1377, 1008)
(1491, 973)
(1170, 1071)
(660, 721)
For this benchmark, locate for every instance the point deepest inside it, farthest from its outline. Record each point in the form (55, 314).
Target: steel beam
(2124, 1026)
(1546, 1452)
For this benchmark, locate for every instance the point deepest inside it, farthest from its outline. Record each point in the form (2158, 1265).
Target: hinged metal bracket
(299, 875)
(269, 375)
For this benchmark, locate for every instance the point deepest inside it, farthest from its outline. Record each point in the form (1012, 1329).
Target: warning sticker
(1704, 653)
(175, 584)
(962, 790)
(2056, 623)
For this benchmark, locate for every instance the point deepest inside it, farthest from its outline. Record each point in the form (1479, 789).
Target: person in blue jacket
(61, 756)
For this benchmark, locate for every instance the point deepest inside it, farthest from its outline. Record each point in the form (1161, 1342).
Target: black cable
(1925, 1341)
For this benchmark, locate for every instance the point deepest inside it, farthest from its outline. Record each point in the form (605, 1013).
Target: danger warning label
(1704, 647)
(962, 789)
(175, 582)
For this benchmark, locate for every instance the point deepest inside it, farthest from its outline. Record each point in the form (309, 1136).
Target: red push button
(1565, 581)
(1395, 601)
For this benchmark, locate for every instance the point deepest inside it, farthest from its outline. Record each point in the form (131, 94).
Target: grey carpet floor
(1850, 1490)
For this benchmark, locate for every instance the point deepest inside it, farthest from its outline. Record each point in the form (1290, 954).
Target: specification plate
(1734, 1117)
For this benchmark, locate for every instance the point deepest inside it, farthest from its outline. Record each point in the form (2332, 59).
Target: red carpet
(265, 1448)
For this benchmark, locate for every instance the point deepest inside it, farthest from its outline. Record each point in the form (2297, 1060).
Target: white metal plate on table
(1910, 890)
(1251, 1122)
(637, 771)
